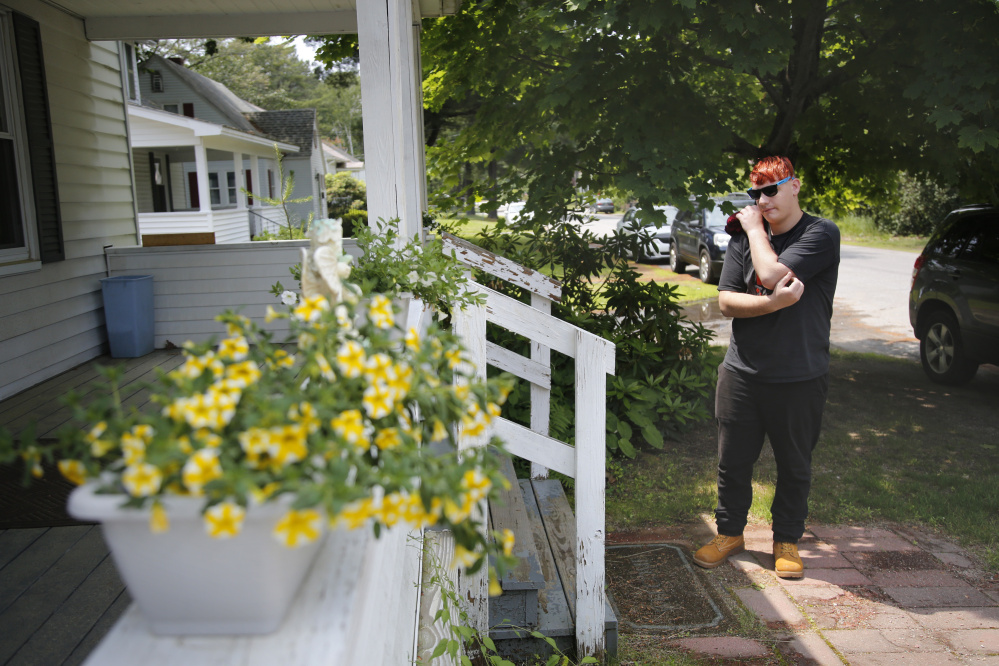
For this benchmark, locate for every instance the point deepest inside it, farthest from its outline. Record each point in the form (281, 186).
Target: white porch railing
(584, 462)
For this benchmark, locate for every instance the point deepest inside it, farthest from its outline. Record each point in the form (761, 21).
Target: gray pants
(790, 414)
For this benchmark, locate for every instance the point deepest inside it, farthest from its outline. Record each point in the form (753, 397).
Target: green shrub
(352, 219)
(923, 202)
(344, 193)
(663, 374)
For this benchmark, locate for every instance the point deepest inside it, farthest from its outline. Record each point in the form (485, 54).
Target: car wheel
(942, 352)
(676, 264)
(704, 269)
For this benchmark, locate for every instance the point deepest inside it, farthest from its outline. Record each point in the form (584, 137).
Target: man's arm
(786, 292)
(765, 262)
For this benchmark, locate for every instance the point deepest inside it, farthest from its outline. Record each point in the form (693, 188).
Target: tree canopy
(668, 98)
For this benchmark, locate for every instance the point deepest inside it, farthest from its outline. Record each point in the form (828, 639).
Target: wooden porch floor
(59, 590)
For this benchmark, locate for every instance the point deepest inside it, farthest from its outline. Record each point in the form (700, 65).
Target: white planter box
(185, 582)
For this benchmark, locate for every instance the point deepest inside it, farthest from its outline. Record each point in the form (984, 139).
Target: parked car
(699, 237)
(631, 223)
(954, 298)
(602, 206)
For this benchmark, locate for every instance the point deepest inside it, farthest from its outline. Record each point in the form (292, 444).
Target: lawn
(894, 448)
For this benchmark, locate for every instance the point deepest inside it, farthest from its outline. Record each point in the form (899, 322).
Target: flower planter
(186, 582)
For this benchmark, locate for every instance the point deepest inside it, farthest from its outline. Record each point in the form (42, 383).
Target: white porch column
(392, 112)
(204, 196)
(255, 179)
(237, 163)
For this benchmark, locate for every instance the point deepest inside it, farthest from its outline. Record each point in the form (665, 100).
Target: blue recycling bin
(128, 314)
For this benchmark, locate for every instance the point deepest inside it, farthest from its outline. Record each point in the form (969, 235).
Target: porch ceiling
(155, 19)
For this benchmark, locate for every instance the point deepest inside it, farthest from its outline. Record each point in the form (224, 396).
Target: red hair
(771, 169)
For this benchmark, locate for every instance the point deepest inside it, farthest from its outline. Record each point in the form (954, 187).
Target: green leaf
(653, 437)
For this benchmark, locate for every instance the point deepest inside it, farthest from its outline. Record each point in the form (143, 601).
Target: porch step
(518, 605)
(553, 532)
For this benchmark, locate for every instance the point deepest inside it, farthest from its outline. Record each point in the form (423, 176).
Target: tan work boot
(718, 550)
(787, 563)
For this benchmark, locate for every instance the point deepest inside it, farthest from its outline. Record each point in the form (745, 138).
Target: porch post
(237, 162)
(204, 196)
(392, 113)
(255, 179)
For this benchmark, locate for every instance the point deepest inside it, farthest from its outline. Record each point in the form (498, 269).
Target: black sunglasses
(769, 190)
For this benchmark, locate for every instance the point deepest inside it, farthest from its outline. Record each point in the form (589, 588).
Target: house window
(30, 222)
(130, 72)
(231, 182)
(172, 108)
(156, 82)
(189, 109)
(215, 194)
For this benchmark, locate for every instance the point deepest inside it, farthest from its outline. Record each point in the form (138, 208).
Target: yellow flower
(351, 427)
(270, 314)
(255, 442)
(304, 414)
(380, 312)
(325, 369)
(261, 495)
(440, 432)
(378, 401)
(298, 528)
(453, 357)
(311, 309)
(234, 349)
(495, 589)
(378, 368)
(73, 470)
(143, 432)
(141, 480)
(399, 380)
(158, 520)
(413, 339)
(463, 557)
(201, 468)
(235, 328)
(208, 439)
(388, 438)
(281, 359)
(508, 542)
(243, 374)
(351, 359)
(355, 514)
(133, 449)
(287, 444)
(224, 520)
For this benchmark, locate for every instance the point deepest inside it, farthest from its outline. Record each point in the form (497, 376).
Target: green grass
(894, 448)
(860, 230)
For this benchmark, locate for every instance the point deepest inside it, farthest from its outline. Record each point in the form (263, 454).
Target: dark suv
(954, 299)
(699, 237)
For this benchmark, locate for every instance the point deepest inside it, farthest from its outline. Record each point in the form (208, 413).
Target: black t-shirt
(791, 344)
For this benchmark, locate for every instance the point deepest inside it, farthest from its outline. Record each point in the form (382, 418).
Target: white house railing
(584, 462)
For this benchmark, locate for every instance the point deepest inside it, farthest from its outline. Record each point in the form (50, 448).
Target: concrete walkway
(869, 596)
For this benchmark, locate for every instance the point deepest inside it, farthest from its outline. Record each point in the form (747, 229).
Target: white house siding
(178, 92)
(193, 284)
(52, 319)
(304, 187)
(231, 226)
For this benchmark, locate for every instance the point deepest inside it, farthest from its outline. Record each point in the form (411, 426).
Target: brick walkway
(869, 596)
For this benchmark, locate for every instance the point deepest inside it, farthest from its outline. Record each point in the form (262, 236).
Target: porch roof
(200, 131)
(148, 19)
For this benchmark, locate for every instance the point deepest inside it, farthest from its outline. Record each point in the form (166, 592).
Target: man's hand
(750, 218)
(787, 291)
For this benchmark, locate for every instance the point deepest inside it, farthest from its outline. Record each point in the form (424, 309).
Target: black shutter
(38, 127)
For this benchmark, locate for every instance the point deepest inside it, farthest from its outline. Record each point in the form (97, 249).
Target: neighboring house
(234, 140)
(338, 159)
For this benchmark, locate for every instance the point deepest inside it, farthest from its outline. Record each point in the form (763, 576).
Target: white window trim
(130, 65)
(27, 258)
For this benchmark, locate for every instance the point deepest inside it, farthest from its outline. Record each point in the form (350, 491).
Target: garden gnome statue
(324, 265)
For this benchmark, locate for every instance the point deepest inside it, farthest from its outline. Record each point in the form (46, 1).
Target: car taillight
(920, 262)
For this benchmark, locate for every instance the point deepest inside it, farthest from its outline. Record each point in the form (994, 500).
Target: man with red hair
(777, 284)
